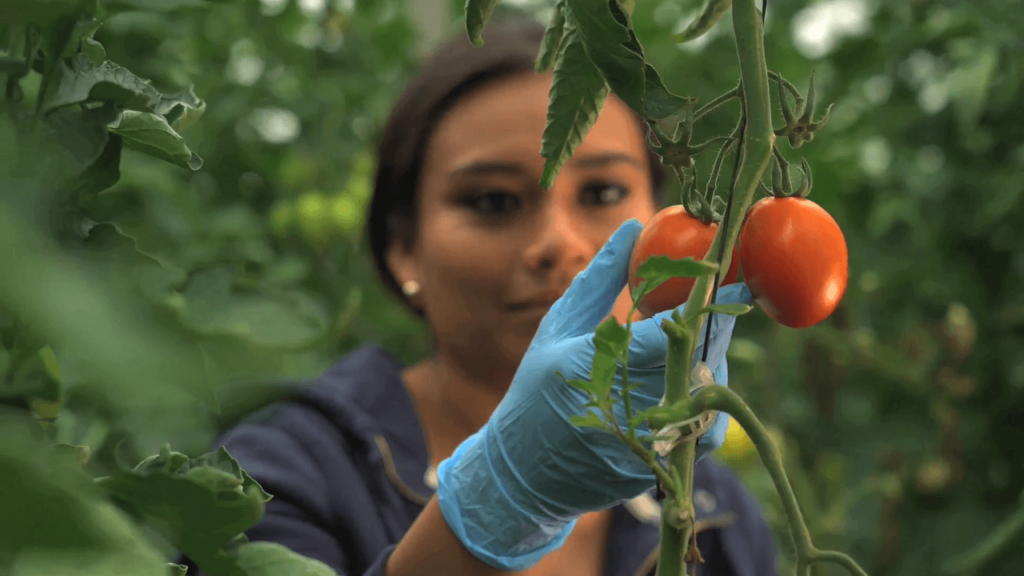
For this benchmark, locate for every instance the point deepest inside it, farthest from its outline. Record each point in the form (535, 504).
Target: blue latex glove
(513, 491)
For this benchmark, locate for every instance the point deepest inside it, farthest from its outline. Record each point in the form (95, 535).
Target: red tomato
(674, 233)
(794, 260)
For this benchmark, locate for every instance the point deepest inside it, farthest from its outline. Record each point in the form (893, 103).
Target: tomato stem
(725, 400)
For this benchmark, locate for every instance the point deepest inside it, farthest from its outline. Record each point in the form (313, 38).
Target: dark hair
(451, 71)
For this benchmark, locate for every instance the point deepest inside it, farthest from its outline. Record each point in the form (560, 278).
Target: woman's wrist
(480, 510)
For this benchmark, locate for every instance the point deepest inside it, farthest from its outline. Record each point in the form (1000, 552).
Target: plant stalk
(756, 151)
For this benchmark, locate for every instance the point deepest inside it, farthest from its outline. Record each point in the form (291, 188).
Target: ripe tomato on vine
(794, 260)
(676, 234)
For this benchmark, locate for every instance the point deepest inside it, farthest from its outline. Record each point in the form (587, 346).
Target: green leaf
(83, 30)
(729, 309)
(477, 14)
(75, 139)
(586, 386)
(657, 269)
(273, 559)
(577, 95)
(610, 342)
(152, 135)
(553, 34)
(63, 526)
(287, 319)
(588, 420)
(83, 81)
(94, 51)
(35, 11)
(612, 46)
(197, 504)
(181, 109)
(115, 6)
(611, 338)
(101, 174)
(176, 569)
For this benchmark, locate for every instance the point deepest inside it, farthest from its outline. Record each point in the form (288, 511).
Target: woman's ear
(403, 261)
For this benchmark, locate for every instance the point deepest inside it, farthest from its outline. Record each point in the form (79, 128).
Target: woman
(465, 463)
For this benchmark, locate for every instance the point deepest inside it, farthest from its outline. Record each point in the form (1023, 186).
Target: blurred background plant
(128, 312)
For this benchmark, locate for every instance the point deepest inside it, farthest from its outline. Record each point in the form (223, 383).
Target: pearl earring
(410, 287)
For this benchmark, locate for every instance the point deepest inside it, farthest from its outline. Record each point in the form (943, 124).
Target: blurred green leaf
(63, 526)
(151, 134)
(211, 305)
(272, 559)
(198, 504)
(35, 11)
(82, 81)
(477, 13)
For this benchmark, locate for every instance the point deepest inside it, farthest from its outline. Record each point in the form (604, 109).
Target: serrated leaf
(62, 526)
(611, 338)
(577, 94)
(585, 385)
(613, 47)
(197, 504)
(477, 14)
(180, 109)
(152, 135)
(658, 269)
(35, 11)
(588, 420)
(729, 309)
(553, 34)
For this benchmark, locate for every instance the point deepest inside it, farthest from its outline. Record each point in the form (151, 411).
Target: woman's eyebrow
(488, 167)
(600, 160)
(511, 168)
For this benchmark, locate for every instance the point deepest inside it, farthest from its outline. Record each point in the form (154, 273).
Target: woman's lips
(541, 302)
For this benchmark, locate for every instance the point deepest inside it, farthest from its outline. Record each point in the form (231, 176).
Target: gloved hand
(512, 492)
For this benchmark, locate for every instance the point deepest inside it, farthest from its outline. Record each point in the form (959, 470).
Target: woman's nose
(559, 241)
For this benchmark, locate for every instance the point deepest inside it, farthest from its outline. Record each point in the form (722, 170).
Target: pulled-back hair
(451, 71)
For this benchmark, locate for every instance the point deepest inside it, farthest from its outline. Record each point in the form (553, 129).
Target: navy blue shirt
(345, 461)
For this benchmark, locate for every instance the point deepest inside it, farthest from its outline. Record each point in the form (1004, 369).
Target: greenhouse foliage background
(900, 416)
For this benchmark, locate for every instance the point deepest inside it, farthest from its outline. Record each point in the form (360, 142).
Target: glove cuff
(477, 507)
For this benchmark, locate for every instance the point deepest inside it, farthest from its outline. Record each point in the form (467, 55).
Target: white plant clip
(700, 377)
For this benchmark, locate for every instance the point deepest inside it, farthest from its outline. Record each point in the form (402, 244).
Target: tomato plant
(794, 260)
(677, 234)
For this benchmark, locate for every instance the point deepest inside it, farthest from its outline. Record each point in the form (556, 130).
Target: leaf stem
(711, 106)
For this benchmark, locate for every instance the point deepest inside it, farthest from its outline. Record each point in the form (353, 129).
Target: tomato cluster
(792, 252)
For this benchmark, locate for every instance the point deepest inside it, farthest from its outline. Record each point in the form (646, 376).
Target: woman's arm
(430, 547)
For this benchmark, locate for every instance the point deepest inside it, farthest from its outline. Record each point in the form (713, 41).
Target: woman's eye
(493, 203)
(603, 193)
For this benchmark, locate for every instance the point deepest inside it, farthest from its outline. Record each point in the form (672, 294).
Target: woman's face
(494, 250)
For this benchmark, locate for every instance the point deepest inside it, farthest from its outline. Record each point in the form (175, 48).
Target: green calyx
(800, 125)
(782, 184)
